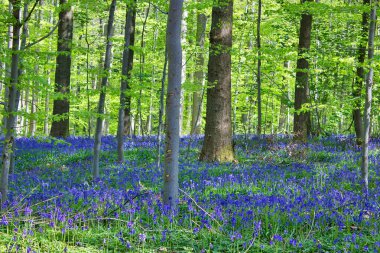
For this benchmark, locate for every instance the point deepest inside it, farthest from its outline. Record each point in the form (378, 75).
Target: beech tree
(12, 99)
(173, 103)
(199, 74)
(102, 96)
(368, 100)
(218, 144)
(358, 86)
(61, 106)
(301, 125)
(124, 121)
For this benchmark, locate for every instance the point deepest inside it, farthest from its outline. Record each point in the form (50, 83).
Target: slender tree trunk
(161, 110)
(360, 76)
(142, 65)
(124, 84)
(47, 103)
(196, 119)
(33, 108)
(11, 110)
(183, 73)
(61, 105)
(284, 98)
(218, 144)
(102, 97)
(258, 42)
(173, 97)
(302, 118)
(368, 100)
(7, 70)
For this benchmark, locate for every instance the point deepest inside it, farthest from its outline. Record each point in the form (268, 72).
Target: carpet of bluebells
(276, 197)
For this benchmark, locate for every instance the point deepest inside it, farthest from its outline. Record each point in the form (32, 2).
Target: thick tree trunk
(368, 101)
(12, 99)
(218, 144)
(102, 97)
(61, 105)
(196, 118)
(173, 97)
(302, 118)
(360, 77)
(125, 99)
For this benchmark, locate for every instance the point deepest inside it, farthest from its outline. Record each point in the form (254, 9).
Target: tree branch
(30, 13)
(42, 38)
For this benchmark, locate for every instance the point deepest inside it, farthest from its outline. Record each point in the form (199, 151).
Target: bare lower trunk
(173, 35)
(218, 133)
(258, 41)
(102, 97)
(360, 76)
(11, 109)
(125, 100)
(284, 100)
(368, 101)
(302, 117)
(196, 120)
(61, 106)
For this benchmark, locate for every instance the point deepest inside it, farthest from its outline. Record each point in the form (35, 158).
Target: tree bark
(258, 42)
(196, 119)
(125, 99)
(302, 118)
(183, 74)
(218, 144)
(173, 97)
(368, 101)
(61, 105)
(102, 97)
(360, 77)
(127, 108)
(12, 99)
(283, 102)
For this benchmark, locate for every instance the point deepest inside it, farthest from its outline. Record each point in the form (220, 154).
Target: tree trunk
(61, 105)
(283, 102)
(196, 119)
(368, 101)
(258, 42)
(12, 97)
(7, 71)
(173, 97)
(302, 118)
(102, 97)
(33, 108)
(183, 73)
(218, 144)
(127, 108)
(161, 110)
(357, 89)
(125, 71)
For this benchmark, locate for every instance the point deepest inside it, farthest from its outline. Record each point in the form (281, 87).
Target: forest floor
(278, 197)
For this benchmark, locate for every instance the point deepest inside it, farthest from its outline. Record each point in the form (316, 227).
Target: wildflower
(293, 242)
(142, 238)
(27, 211)
(4, 220)
(277, 238)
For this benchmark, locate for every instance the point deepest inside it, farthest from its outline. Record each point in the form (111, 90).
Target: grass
(278, 198)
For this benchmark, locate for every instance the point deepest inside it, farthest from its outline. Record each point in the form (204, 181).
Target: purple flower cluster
(258, 200)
